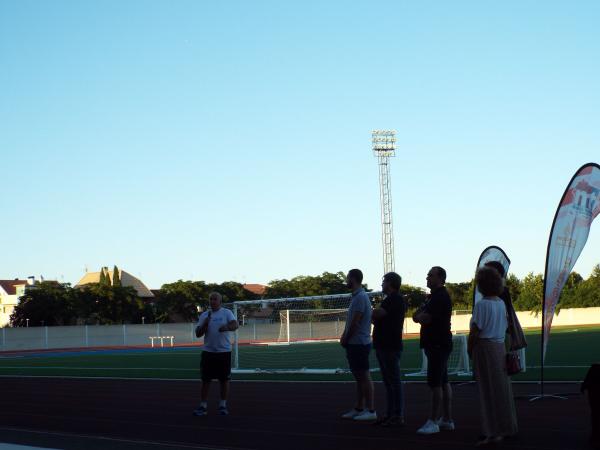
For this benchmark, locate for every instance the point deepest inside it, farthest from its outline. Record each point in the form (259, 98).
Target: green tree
(587, 292)
(105, 305)
(327, 283)
(116, 280)
(531, 291)
(48, 303)
(102, 280)
(179, 301)
(461, 294)
(513, 283)
(414, 296)
(231, 291)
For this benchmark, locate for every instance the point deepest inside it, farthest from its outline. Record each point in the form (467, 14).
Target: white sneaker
(352, 413)
(430, 427)
(446, 425)
(366, 415)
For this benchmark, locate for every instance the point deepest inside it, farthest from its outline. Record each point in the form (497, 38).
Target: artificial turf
(570, 352)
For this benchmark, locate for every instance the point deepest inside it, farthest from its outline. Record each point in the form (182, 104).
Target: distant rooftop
(10, 286)
(127, 280)
(258, 289)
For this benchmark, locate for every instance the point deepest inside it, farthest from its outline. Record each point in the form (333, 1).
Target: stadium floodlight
(384, 143)
(384, 146)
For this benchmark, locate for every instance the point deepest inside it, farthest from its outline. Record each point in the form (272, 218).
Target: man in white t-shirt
(215, 325)
(356, 340)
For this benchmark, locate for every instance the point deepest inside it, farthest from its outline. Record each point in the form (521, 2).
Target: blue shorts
(358, 357)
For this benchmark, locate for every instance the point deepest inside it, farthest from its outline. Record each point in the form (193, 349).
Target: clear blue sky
(231, 140)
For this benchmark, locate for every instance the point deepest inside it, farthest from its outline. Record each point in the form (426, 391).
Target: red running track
(149, 414)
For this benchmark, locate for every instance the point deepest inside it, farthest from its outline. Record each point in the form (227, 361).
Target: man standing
(388, 321)
(215, 325)
(356, 339)
(436, 340)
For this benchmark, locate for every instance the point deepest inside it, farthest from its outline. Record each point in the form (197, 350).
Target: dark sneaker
(223, 411)
(394, 421)
(381, 421)
(200, 411)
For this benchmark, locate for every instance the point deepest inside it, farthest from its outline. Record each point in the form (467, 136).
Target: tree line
(51, 303)
(527, 293)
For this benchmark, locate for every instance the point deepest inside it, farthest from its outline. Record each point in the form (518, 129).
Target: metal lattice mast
(384, 147)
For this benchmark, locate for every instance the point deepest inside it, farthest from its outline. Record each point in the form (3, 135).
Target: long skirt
(498, 414)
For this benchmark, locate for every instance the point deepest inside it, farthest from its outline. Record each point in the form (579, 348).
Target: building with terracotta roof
(125, 277)
(258, 289)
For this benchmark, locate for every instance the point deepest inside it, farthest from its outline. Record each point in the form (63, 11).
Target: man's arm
(474, 329)
(232, 325)
(356, 317)
(422, 317)
(472, 339)
(201, 329)
(378, 314)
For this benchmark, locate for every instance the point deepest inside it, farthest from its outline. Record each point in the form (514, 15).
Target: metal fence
(89, 336)
(84, 336)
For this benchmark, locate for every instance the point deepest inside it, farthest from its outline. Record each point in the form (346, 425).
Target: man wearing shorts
(356, 339)
(215, 325)
(436, 340)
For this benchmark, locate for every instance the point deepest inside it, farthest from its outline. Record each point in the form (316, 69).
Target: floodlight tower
(384, 147)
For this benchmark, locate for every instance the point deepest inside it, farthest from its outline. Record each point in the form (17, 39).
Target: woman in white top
(486, 347)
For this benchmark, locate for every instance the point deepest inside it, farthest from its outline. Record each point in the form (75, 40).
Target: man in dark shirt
(388, 320)
(436, 340)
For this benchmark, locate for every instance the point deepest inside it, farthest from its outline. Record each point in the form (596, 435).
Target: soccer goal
(291, 335)
(458, 362)
(321, 324)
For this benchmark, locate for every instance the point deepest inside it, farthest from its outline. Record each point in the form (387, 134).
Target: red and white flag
(579, 206)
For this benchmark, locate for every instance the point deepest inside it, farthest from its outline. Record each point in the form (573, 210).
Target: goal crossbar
(300, 299)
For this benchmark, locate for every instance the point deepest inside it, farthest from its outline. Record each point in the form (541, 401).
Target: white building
(10, 293)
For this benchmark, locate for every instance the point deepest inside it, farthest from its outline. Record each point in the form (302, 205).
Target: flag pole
(542, 395)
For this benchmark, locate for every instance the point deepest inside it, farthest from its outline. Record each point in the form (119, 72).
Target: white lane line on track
(122, 440)
(174, 369)
(197, 380)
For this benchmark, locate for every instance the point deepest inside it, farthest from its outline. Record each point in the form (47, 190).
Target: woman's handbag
(515, 332)
(513, 363)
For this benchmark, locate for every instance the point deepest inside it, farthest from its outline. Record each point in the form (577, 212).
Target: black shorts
(215, 366)
(358, 357)
(437, 366)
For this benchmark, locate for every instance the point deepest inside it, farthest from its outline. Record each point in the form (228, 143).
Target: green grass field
(570, 353)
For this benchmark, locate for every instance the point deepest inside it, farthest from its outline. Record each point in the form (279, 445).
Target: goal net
(292, 334)
(310, 324)
(458, 362)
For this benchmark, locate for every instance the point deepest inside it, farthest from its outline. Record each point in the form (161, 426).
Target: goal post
(291, 335)
(236, 361)
(458, 362)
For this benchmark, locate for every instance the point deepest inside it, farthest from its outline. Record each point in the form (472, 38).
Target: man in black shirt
(436, 340)
(388, 320)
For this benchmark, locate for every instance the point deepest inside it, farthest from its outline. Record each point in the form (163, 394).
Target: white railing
(89, 336)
